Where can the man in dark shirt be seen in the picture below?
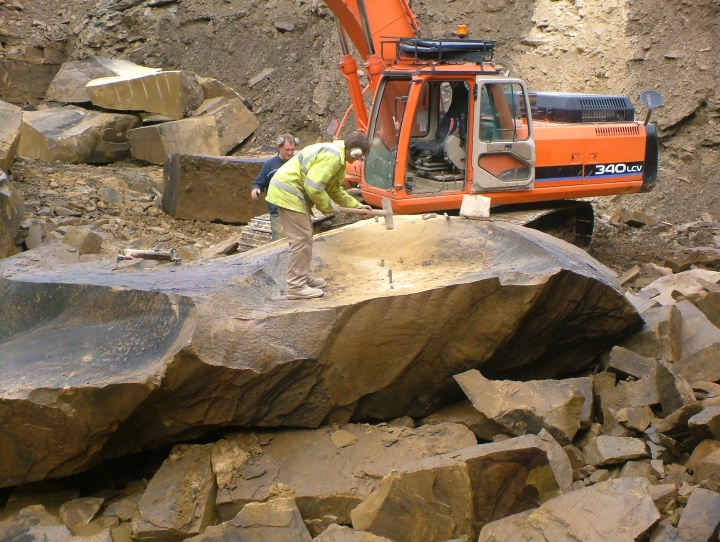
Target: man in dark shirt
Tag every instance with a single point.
(286, 149)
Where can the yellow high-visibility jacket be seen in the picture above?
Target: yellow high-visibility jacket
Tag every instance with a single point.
(313, 176)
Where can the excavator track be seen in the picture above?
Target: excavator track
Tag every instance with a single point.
(257, 232)
(572, 221)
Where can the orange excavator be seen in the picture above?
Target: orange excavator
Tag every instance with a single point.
(444, 123)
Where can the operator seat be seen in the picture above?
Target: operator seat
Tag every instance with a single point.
(454, 121)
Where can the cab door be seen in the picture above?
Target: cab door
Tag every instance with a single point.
(503, 154)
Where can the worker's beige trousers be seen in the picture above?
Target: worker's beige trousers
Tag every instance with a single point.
(299, 232)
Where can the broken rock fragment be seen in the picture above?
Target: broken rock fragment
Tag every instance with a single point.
(10, 124)
(453, 495)
(620, 510)
(179, 500)
(354, 458)
(278, 520)
(522, 408)
(76, 136)
(11, 215)
(700, 520)
(33, 523)
(607, 450)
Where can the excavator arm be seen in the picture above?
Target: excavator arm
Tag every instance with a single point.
(368, 22)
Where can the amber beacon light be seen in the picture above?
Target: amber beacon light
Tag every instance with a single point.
(462, 31)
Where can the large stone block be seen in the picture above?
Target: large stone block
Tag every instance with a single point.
(211, 188)
(75, 135)
(174, 94)
(177, 350)
(234, 122)
(157, 142)
(68, 86)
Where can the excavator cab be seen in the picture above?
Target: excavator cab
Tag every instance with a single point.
(445, 136)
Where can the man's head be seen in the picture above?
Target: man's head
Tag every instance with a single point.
(356, 147)
(286, 146)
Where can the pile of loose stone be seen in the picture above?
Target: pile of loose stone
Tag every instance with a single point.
(109, 209)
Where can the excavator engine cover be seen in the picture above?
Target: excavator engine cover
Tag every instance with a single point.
(580, 108)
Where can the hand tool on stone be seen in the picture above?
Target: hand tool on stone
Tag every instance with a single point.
(386, 212)
(132, 253)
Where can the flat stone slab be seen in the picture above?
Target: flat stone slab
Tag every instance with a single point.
(100, 359)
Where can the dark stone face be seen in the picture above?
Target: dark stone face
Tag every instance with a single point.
(66, 335)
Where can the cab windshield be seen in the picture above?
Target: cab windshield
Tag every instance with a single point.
(384, 133)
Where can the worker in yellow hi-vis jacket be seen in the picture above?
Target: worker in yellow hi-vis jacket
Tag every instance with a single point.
(313, 177)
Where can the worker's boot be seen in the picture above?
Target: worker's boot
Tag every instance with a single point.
(306, 292)
(314, 282)
(276, 229)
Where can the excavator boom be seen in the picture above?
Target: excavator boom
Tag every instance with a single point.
(369, 22)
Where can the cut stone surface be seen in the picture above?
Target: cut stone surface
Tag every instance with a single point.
(77, 136)
(174, 94)
(522, 408)
(10, 123)
(620, 510)
(163, 349)
(157, 142)
(211, 188)
(68, 86)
